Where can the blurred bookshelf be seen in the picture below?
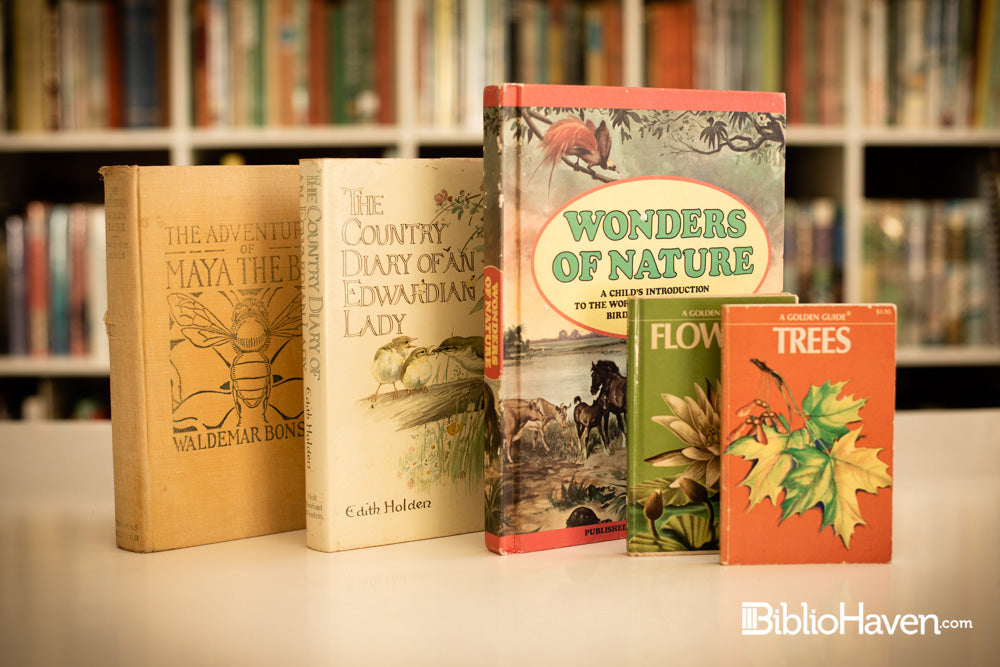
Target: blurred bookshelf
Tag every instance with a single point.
(890, 102)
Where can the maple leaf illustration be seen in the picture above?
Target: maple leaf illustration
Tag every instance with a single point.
(818, 465)
(828, 415)
(772, 462)
(854, 469)
(832, 480)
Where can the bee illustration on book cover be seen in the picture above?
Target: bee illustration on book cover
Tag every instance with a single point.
(598, 195)
(235, 357)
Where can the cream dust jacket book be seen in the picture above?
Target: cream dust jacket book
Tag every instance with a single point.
(807, 423)
(205, 329)
(392, 259)
(596, 195)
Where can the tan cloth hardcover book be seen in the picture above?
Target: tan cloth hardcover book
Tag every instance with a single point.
(205, 330)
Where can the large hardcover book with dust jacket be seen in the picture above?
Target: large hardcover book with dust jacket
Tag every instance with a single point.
(807, 426)
(596, 195)
(392, 275)
(205, 329)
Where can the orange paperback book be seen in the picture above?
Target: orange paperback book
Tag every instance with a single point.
(807, 419)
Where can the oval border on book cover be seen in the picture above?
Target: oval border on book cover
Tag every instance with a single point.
(586, 268)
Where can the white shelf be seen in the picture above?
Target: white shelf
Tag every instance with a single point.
(295, 137)
(95, 140)
(50, 367)
(816, 135)
(394, 135)
(929, 137)
(980, 355)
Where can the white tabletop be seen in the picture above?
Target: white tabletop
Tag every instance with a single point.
(69, 596)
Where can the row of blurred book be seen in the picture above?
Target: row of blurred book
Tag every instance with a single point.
(298, 62)
(937, 261)
(96, 64)
(90, 64)
(710, 44)
(53, 282)
(926, 63)
(814, 249)
(795, 46)
(932, 63)
(83, 64)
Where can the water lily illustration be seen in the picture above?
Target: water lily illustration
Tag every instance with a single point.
(695, 421)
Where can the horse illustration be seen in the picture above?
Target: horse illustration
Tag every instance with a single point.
(609, 384)
(587, 417)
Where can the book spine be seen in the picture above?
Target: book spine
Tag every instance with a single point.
(37, 278)
(5, 98)
(318, 61)
(492, 316)
(78, 280)
(495, 155)
(69, 64)
(220, 111)
(445, 76)
(314, 354)
(112, 45)
(634, 454)
(365, 101)
(17, 309)
(4, 292)
(26, 66)
(913, 273)
(258, 65)
(285, 27)
(877, 65)
(199, 62)
(300, 63)
(96, 71)
(385, 54)
(125, 333)
(339, 65)
(142, 36)
(790, 282)
(97, 282)
(239, 53)
(51, 75)
(59, 280)
(985, 47)
(794, 60)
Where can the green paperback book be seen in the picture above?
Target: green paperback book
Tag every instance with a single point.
(674, 365)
